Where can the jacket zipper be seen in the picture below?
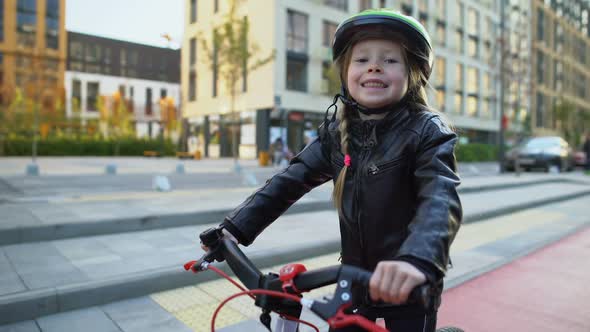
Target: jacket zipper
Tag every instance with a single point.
(374, 169)
(366, 150)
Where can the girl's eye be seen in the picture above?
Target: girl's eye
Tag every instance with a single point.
(390, 60)
(361, 60)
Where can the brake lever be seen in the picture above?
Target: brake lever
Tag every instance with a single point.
(342, 319)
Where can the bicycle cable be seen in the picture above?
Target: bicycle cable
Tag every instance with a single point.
(251, 293)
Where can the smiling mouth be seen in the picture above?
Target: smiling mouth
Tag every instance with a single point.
(373, 85)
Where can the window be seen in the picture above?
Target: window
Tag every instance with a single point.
(163, 93)
(364, 5)
(192, 86)
(26, 16)
(540, 110)
(329, 30)
(1, 20)
(26, 21)
(92, 93)
(407, 9)
(52, 24)
(148, 101)
(193, 11)
(338, 4)
(76, 95)
(296, 74)
(540, 24)
(122, 91)
(439, 72)
(381, 3)
(93, 53)
(472, 32)
(296, 32)
(441, 32)
(440, 98)
(423, 6)
(193, 52)
(459, 40)
(540, 68)
(458, 89)
(76, 50)
(472, 21)
(472, 91)
(216, 6)
(440, 7)
(472, 46)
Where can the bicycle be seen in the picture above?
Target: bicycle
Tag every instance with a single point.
(281, 293)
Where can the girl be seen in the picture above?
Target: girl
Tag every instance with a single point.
(392, 160)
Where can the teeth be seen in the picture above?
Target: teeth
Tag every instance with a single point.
(373, 85)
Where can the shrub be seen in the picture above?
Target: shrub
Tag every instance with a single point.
(87, 147)
(476, 152)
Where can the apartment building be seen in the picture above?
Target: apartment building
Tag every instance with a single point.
(140, 75)
(32, 50)
(288, 97)
(561, 74)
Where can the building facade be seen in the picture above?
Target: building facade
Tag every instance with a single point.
(288, 97)
(32, 50)
(561, 62)
(140, 75)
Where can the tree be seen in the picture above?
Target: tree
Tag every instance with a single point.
(232, 55)
(115, 118)
(168, 115)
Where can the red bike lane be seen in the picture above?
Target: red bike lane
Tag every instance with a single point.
(547, 290)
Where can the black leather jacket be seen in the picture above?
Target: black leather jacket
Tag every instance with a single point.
(400, 198)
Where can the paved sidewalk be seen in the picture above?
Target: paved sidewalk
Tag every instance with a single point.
(45, 277)
(478, 249)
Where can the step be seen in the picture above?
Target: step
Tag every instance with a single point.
(96, 215)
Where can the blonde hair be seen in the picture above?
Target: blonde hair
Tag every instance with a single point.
(416, 93)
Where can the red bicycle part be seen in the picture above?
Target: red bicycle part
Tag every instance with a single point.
(342, 319)
(288, 273)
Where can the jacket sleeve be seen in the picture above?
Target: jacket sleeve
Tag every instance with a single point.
(309, 169)
(438, 211)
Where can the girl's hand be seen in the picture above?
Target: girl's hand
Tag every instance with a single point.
(225, 234)
(393, 281)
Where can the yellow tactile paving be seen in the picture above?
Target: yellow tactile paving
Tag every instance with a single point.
(183, 298)
(476, 234)
(198, 317)
(196, 310)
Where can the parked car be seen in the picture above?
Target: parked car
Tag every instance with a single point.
(549, 152)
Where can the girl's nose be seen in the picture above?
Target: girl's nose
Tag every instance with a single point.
(374, 68)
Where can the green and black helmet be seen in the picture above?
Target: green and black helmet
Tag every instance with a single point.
(416, 35)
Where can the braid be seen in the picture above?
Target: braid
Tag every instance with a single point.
(344, 138)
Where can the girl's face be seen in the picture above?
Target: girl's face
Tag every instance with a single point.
(377, 74)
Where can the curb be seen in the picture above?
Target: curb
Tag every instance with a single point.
(51, 232)
(35, 303)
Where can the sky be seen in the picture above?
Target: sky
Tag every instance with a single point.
(139, 21)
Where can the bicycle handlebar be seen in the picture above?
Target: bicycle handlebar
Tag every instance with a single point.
(224, 249)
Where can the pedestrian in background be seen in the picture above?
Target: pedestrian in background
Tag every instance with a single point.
(587, 150)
